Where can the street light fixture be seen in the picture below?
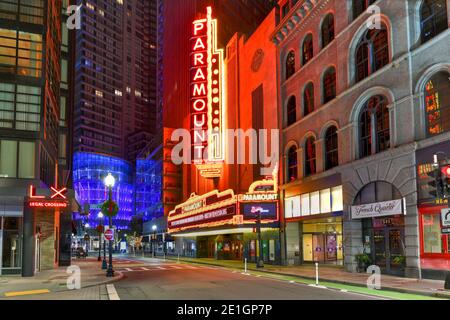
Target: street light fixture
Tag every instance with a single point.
(154, 228)
(110, 181)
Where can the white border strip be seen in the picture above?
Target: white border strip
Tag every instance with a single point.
(112, 293)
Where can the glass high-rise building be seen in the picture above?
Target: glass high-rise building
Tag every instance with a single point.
(116, 105)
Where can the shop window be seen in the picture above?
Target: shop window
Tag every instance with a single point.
(437, 104)
(372, 53)
(310, 157)
(327, 30)
(331, 148)
(12, 243)
(292, 164)
(329, 85)
(305, 205)
(308, 99)
(432, 242)
(374, 127)
(337, 199)
(290, 64)
(307, 49)
(291, 111)
(433, 18)
(325, 201)
(8, 159)
(360, 6)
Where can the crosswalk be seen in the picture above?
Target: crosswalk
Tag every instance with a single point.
(164, 268)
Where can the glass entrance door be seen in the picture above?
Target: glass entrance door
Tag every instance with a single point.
(389, 250)
(379, 239)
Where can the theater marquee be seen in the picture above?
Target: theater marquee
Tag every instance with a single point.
(206, 97)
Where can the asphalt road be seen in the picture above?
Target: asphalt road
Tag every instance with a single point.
(168, 280)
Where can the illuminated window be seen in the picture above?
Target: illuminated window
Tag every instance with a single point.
(137, 93)
(118, 93)
(315, 202)
(291, 111)
(20, 53)
(374, 127)
(305, 205)
(20, 107)
(290, 65)
(433, 18)
(101, 12)
(17, 159)
(99, 93)
(292, 164)
(307, 49)
(308, 99)
(337, 199)
(90, 6)
(331, 148)
(329, 85)
(437, 104)
(327, 30)
(325, 201)
(128, 90)
(310, 157)
(30, 11)
(372, 53)
(119, 1)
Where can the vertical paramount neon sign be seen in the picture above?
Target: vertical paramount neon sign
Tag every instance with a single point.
(207, 103)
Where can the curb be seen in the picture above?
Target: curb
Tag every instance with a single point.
(394, 289)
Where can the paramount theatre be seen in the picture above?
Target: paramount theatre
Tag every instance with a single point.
(224, 194)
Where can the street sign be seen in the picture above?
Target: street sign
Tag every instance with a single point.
(445, 217)
(95, 206)
(109, 234)
(445, 230)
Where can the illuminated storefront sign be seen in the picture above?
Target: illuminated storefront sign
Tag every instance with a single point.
(268, 211)
(260, 197)
(206, 103)
(57, 199)
(206, 217)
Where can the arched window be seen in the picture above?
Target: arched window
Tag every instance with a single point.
(310, 157)
(329, 85)
(291, 111)
(372, 53)
(433, 18)
(308, 99)
(374, 127)
(307, 49)
(292, 164)
(327, 30)
(359, 6)
(331, 148)
(437, 104)
(290, 64)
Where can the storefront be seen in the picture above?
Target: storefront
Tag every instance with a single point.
(434, 241)
(381, 210)
(223, 226)
(314, 227)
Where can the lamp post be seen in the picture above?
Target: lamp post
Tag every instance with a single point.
(109, 182)
(100, 217)
(154, 227)
(260, 263)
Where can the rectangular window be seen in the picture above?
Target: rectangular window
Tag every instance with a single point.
(20, 107)
(315, 202)
(26, 160)
(20, 53)
(8, 159)
(325, 201)
(305, 204)
(337, 200)
(292, 207)
(432, 242)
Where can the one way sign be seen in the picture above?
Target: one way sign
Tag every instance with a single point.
(445, 217)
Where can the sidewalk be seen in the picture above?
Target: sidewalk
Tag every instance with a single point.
(50, 282)
(337, 274)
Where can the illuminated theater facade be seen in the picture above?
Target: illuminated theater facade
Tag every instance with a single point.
(223, 198)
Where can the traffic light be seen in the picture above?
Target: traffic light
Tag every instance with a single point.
(446, 180)
(436, 184)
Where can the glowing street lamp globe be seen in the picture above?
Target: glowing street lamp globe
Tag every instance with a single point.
(87, 225)
(110, 181)
(100, 215)
(154, 227)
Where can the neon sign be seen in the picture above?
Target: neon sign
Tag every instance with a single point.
(58, 199)
(47, 204)
(206, 92)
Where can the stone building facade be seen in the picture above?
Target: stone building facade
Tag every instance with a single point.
(361, 125)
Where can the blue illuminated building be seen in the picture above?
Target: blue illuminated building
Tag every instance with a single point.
(148, 186)
(89, 170)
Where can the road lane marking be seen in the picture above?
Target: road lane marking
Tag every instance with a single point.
(176, 267)
(145, 269)
(112, 293)
(162, 268)
(129, 269)
(25, 293)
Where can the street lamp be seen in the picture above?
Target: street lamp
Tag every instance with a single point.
(100, 217)
(110, 181)
(260, 262)
(154, 227)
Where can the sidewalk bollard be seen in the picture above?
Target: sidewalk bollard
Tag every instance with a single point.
(178, 258)
(245, 263)
(317, 274)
